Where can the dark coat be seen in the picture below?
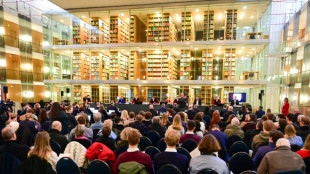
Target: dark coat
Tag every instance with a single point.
(35, 165)
(57, 137)
(18, 150)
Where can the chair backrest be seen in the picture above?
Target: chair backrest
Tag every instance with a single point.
(238, 146)
(121, 149)
(98, 166)
(162, 145)
(183, 151)
(154, 137)
(144, 143)
(207, 171)
(238, 159)
(189, 145)
(231, 140)
(95, 132)
(55, 147)
(66, 165)
(223, 154)
(168, 168)
(295, 147)
(307, 162)
(249, 172)
(151, 150)
(132, 168)
(9, 164)
(290, 172)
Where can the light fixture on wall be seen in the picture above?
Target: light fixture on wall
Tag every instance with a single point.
(28, 94)
(47, 94)
(2, 31)
(2, 62)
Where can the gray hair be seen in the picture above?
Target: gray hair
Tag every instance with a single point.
(151, 107)
(97, 117)
(7, 132)
(156, 120)
(235, 121)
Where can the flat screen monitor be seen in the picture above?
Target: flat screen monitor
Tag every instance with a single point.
(240, 96)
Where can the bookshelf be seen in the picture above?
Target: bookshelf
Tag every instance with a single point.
(159, 65)
(188, 30)
(206, 95)
(160, 28)
(105, 93)
(80, 66)
(77, 94)
(105, 66)
(119, 66)
(229, 64)
(125, 92)
(132, 68)
(99, 31)
(119, 30)
(96, 66)
(207, 64)
(95, 93)
(137, 30)
(225, 95)
(208, 31)
(113, 93)
(80, 32)
(153, 91)
(86, 90)
(173, 66)
(185, 65)
(231, 25)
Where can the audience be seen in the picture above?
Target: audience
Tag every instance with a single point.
(133, 154)
(57, 114)
(251, 124)
(207, 147)
(234, 129)
(117, 126)
(131, 119)
(282, 125)
(170, 155)
(290, 135)
(155, 126)
(216, 119)
(162, 109)
(106, 140)
(228, 113)
(199, 117)
(56, 135)
(98, 124)
(80, 136)
(191, 126)
(263, 137)
(290, 120)
(151, 109)
(304, 129)
(164, 120)
(281, 159)
(87, 131)
(191, 113)
(259, 113)
(177, 124)
(147, 119)
(305, 151)
(103, 113)
(138, 124)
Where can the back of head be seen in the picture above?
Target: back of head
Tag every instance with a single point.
(151, 107)
(81, 119)
(275, 135)
(305, 120)
(209, 144)
(290, 117)
(42, 146)
(133, 137)
(170, 111)
(172, 137)
(268, 125)
(290, 131)
(97, 117)
(7, 133)
(148, 115)
(106, 131)
(191, 125)
(249, 109)
(79, 131)
(132, 115)
(156, 120)
(117, 120)
(142, 113)
(283, 142)
(108, 123)
(230, 108)
(56, 125)
(235, 122)
(82, 109)
(270, 116)
(139, 118)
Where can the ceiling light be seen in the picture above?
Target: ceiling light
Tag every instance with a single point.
(242, 47)
(122, 14)
(198, 17)
(196, 48)
(223, 27)
(83, 16)
(252, 17)
(225, 11)
(240, 51)
(197, 10)
(2, 62)
(244, 7)
(242, 15)
(157, 12)
(61, 20)
(220, 16)
(253, 49)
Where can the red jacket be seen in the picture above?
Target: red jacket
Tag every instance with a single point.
(102, 152)
(134, 100)
(285, 108)
(155, 101)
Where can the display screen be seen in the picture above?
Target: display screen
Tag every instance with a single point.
(240, 96)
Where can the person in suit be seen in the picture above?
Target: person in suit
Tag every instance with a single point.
(216, 100)
(154, 100)
(234, 102)
(121, 100)
(176, 100)
(113, 107)
(197, 101)
(135, 100)
(182, 102)
(260, 112)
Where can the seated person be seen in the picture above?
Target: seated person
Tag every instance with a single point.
(87, 131)
(191, 126)
(135, 100)
(162, 109)
(80, 138)
(151, 109)
(112, 107)
(147, 119)
(138, 124)
(11, 146)
(133, 154)
(106, 140)
(121, 100)
(216, 100)
(157, 127)
(234, 102)
(56, 135)
(170, 155)
(154, 100)
(98, 124)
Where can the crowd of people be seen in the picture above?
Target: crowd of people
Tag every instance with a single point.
(276, 143)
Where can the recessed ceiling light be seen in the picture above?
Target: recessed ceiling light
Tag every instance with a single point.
(197, 10)
(83, 16)
(225, 11)
(157, 12)
(122, 14)
(253, 49)
(61, 20)
(244, 7)
(252, 17)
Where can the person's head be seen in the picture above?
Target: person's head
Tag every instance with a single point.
(29, 116)
(283, 142)
(69, 109)
(101, 108)
(290, 131)
(304, 121)
(170, 112)
(177, 122)
(132, 115)
(190, 107)
(113, 114)
(235, 122)
(296, 111)
(163, 105)
(124, 133)
(139, 118)
(191, 125)
(156, 120)
(164, 119)
(268, 110)
(290, 117)
(275, 135)
(106, 131)
(198, 117)
(57, 125)
(117, 120)
(230, 108)
(249, 109)
(197, 98)
(260, 108)
(81, 120)
(97, 117)
(133, 137)
(281, 116)
(172, 137)
(30, 111)
(151, 107)
(253, 117)
(42, 147)
(215, 118)
(136, 97)
(216, 97)
(122, 97)
(182, 95)
(230, 117)
(259, 125)
(285, 99)
(209, 144)
(148, 115)
(108, 123)
(307, 143)
(215, 127)
(224, 106)
(8, 133)
(142, 113)
(264, 118)
(270, 116)
(268, 126)
(112, 103)
(55, 110)
(182, 115)
(282, 124)
(79, 131)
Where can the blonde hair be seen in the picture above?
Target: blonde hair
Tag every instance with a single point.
(108, 123)
(172, 137)
(177, 123)
(124, 115)
(124, 133)
(290, 131)
(79, 131)
(307, 143)
(164, 119)
(41, 146)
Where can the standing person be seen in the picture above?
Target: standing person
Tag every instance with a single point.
(71, 118)
(182, 102)
(260, 112)
(176, 100)
(135, 100)
(286, 107)
(59, 115)
(42, 117)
